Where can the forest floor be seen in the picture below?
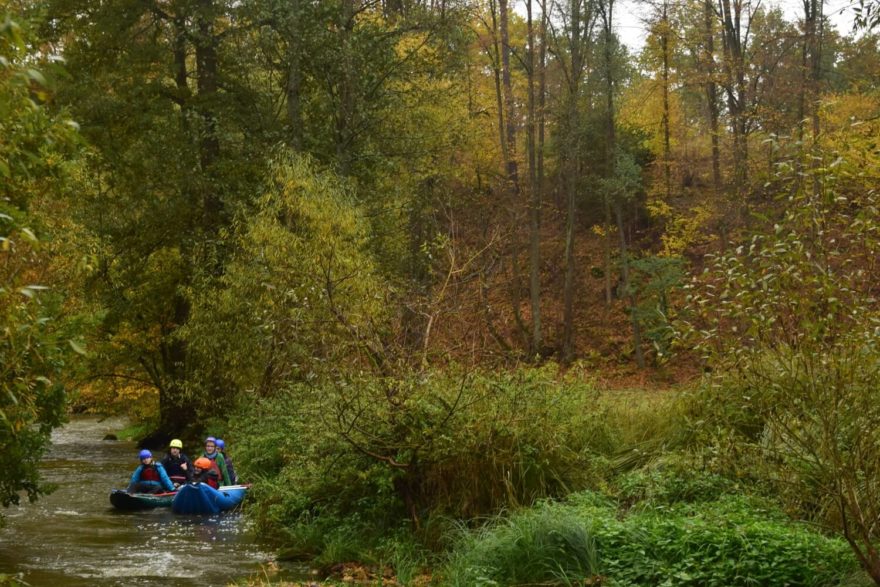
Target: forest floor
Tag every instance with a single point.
(485, 320)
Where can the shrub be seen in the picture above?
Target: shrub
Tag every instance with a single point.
(538, 546)
(386, 453)
(790, 323)
(727, 542)
(674, 479)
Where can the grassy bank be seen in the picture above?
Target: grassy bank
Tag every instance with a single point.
(525, 477)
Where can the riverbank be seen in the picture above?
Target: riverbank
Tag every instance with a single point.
(523, 477)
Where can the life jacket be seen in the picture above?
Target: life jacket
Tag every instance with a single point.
(210, 477)
(213, 480)
(214, 466)
(150, 473)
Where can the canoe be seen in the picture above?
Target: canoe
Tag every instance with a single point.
(123, 500)
(201, 498)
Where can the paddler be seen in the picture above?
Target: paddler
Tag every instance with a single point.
(150, 476)
(177, 464)
(206, 472)
(212, 454)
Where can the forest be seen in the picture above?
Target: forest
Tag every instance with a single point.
(479, 293)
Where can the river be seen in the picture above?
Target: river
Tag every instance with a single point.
(74, 537)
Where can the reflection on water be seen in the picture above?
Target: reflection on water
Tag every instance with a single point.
(74, 537)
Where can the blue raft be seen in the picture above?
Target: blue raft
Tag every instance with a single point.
(201, 498)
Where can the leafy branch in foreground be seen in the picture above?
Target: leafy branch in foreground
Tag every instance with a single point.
(790, 322)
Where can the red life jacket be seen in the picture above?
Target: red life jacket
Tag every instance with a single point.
(209, 477)
(150, 473)
(216, 468)
(212, 480)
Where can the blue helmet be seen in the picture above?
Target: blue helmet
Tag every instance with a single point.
(210, 439)
(220, 444)
(145, 454)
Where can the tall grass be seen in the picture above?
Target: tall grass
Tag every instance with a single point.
(539, 546)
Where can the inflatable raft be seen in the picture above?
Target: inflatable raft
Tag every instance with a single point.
(201, 498)
(123, 500)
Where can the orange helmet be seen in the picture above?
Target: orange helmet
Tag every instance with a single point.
(203, 463)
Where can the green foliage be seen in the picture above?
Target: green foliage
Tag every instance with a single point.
(385, 453)
(792, 324)
(867, 15)
(35, 343)
(672, 480)
(656, 280)
(730, 541)
(33, 355)
(626, 182)
(544, 545)
(300, 293)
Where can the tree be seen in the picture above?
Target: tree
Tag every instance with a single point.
(535, 189)
(300, 294)
(581, 19)
(867, 14)
(36, 342)
(176, 153)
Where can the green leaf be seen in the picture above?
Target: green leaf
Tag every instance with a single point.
(36, 76)
(77, 348)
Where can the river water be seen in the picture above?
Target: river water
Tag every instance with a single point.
(74, 537)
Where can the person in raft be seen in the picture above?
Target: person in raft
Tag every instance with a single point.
(150, 476)
(212, 453)
(205, 471)
(177, 465)
(221, 447)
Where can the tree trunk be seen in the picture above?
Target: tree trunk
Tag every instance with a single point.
(611, 138)
(712, 98)
(174, 413)
(667, 150)
(816, 71)
(511, 162)
(535, 192)
(572, 159)
(737, 98)
(542, 96)
(512, 170)
(294, 79)
(180, 70)
(630, 295)
(345, 106)
(499, 96)
(206, 82)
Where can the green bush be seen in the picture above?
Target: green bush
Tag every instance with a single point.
(386, 454)
(674, 479)
(727, 542)
(537, 546)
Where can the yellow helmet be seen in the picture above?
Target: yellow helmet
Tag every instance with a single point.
(176, 443)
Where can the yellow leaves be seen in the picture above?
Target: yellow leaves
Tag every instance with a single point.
(641, 107)
(686, 230)
(850, 127)
(416, 42)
